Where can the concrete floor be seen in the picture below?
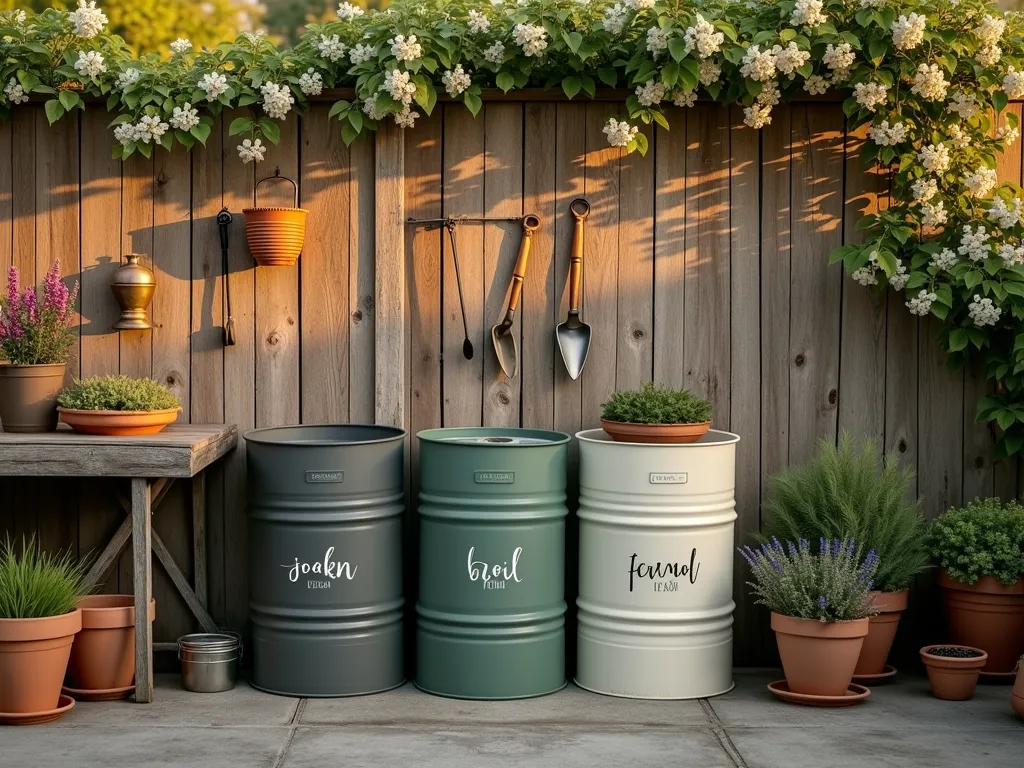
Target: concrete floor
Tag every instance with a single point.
(900, 725)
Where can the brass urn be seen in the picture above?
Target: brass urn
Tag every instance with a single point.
(133, 287)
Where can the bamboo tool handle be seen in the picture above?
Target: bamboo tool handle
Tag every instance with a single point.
(530, 225)
(580, 209)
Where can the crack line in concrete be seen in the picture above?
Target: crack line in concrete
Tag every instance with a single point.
(718, 729)
(293, 725)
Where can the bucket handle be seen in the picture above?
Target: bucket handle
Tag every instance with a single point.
(277, 175)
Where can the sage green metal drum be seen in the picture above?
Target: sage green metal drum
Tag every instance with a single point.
(656, 562)
(491, 610)
(325, 558)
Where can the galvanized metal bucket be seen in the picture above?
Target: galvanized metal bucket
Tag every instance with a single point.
(325, 558)
(209, 661)
(491, 610)
(656, 564)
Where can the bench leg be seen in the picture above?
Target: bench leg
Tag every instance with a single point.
(142, 533)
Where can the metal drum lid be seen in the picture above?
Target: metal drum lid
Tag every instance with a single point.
(497, 440)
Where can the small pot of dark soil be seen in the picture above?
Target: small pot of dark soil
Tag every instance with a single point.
(953, 670)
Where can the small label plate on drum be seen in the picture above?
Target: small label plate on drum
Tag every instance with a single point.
(334, 476)
(668, 478)
(482, 477)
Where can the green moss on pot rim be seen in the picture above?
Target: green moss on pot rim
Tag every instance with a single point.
(116, 393)
(655, 404)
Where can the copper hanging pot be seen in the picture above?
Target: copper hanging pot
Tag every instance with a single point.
(275, 235)
(133, 286)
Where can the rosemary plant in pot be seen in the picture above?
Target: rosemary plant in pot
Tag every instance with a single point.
(656, 414)
(36, 337)
(980, 550)
(38, 621)
(117, 405)
(847, 490)
(820, 607)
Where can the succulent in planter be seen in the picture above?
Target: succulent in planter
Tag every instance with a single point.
(656, 414)
(117, 405)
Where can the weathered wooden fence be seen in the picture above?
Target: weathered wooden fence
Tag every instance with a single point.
(705, 266)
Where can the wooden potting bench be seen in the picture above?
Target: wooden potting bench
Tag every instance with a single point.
(151, 463)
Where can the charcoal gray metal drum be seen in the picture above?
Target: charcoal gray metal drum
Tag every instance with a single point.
(491, 609)
(325, 558)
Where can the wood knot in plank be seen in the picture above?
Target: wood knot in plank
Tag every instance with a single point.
(503, 398)
(800, 359)
(832, 397)
(368, 302)
(638, 333)
(291, 321)
(902, 446)
(357, 316)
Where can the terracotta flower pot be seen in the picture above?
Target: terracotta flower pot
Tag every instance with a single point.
(28, 396)
(33, 658)
(819, 657)
(1017, 694)
(276, 235)
(103, 654)
(628, 432)
(987, 615)
(951, 678)
(881, 631)
(118, 422)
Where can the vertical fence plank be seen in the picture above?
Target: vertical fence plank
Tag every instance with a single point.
(670, 251)
(503, 196)
(389, 296)
(362, 246)
(8, 486)
(326, 183)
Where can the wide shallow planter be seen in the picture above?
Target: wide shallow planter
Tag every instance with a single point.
(953, 678)
(118, 423)
(656, 552)
(881, 632)
(103, 654)
(818, 657)
(987, 615)
(28, 396)
(276, 234)
(33, 659)
(1017, 694)
(629, 432)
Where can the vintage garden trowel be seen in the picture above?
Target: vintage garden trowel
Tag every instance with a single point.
(501, 334)
(574, 335)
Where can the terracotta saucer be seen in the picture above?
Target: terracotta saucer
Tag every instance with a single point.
(854, 694)
(34, 718)
(101, 694)
(998, 678)
(881, 677)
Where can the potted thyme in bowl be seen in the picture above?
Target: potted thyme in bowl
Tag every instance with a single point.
(821, 608)
(117, 405)
(656, 414)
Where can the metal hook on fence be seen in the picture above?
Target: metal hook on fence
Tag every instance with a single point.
(224, 219)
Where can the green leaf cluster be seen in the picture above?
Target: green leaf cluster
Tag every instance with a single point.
(116, 393)
(655, 404)
(983, 538)
(36, 584)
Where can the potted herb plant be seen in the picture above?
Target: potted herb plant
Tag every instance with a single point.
(117, 405)
(953, 670)
(847, 490)
(36, 337)
(820, 610)
(656, 414)
(980, 550)
(38, 621)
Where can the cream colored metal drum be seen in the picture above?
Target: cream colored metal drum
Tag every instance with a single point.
(656, 562)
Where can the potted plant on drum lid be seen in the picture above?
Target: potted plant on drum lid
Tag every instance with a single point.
(656, 414)
(36, 337)
(821, 608)
(847, 490)
(38, 621)
(980, 549)
(117, 405)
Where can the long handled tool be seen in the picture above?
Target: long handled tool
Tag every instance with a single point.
(223, 222)
(467, 345)
(501, 335)
(574, 335)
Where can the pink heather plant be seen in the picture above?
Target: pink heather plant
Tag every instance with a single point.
(37, 334)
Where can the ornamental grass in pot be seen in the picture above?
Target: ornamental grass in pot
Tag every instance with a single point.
(117, 405)
(38, 621)
(848, 491)
(656, 414)
(980, 551)
(820, 609)
(36, 338)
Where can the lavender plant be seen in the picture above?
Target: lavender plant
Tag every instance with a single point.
(829, 585)
(34, 332)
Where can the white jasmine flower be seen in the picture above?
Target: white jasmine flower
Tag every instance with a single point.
(839, 57)
(125, 133)
(983, 312)
(870, 95)
(757, 115)
(650, 93)
(90, 63)
(868, 274)
(360, 53)
(808, 13)
(945, 259)
(331, 48)
(1007, 135)
(990, 30)
(709, 73)
(615, 18)
(277, 100)
(251, 151)
(885, 135)
(933, 214)
(406, 49)
(371, 109)
(872, 3)
(1005, 216)
(974, 243)
(964, 105)
(619, 132)
(657, 41)
(899, 278)
(495, 54)
(930, 83)
(684, 98)
(254, 38)
(214, 83)
(924, 190)
(185, 117)
(958, 136)
(757, 64)
(347, 11)
(400, 86)
(703, 37)
(533, 38)
(127, 78)
(922, 304)
(150, 128)
(478, 22)
(790, 58)
(89, 20)
(1013, 84)
(908, 31)
(640, 5)
(456, 80)
(989, 55)
(981, 182)
(181, 45)
(934, 158)
(406, 118)
(769, 95)
(14, 92)
(311, 82)
(816, 85)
